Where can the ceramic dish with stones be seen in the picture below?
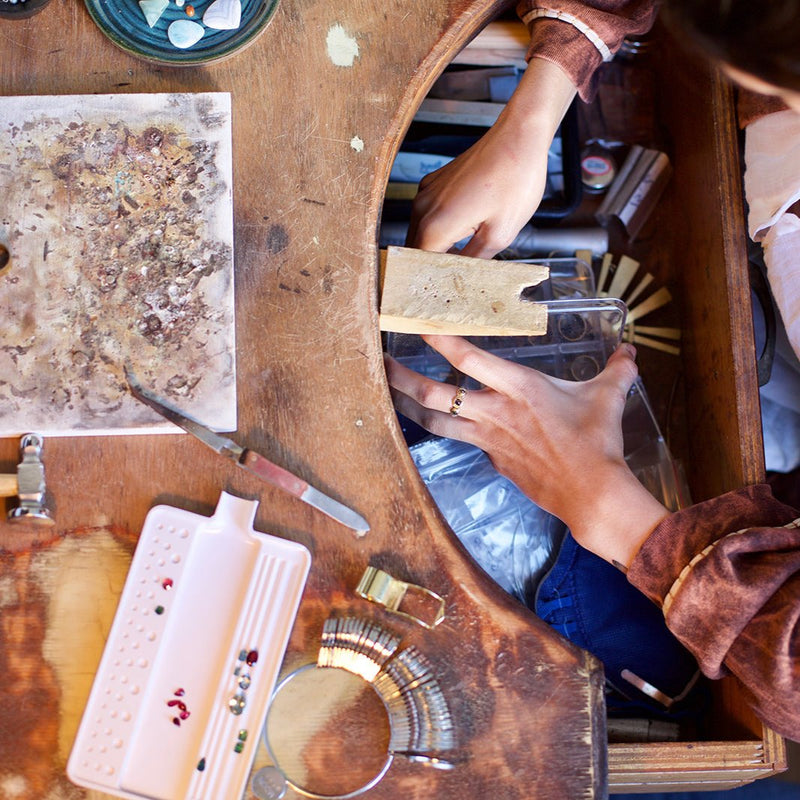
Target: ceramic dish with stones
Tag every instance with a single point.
(127, 26)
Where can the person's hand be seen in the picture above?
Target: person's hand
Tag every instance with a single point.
(559, 441)
(490, 191)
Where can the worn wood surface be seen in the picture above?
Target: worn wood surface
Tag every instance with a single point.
(452, 294)
(708, 254)
(312, 146)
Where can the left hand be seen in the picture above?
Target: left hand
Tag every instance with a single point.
(559, 441)
(489, 192)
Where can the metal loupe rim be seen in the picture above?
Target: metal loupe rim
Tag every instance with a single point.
(307, 792)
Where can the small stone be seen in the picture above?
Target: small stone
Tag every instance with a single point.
(189, 11)
(252, 657)
(201, 765)
(153, 9)
(223, 15)
(236, 704)
(159, 609)
(184, 33)
(238, 747)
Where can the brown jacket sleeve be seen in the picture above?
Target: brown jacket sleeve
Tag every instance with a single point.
(751, 106)
(726, 574)
(579, 36)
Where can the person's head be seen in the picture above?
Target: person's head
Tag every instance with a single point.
(757, 42)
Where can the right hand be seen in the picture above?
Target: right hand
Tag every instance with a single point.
(559, 441)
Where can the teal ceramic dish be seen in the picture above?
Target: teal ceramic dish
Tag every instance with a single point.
(20, 9)
(124, 23)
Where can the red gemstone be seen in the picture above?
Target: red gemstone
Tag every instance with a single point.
(252, 657)
(176, 721)
(179, 693)
(167, 583)
(184, 714)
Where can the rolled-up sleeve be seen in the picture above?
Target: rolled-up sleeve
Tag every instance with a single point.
(726, 574)
(579, 36)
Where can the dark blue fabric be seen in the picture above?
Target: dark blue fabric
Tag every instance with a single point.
(591, 603)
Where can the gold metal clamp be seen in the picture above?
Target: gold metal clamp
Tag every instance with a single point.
(379, 587)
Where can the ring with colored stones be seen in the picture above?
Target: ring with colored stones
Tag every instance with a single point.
(455, 406)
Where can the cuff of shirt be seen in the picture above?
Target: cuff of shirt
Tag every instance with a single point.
(683, 535)
(568, 48)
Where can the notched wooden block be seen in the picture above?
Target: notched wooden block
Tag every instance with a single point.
(445, 293)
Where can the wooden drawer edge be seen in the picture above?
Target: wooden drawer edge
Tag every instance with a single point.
(698, 783)
(681, 766)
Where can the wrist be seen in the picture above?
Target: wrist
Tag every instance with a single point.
(615, 517)
(539, 103)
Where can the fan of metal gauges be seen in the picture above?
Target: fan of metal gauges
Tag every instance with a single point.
(366, 699)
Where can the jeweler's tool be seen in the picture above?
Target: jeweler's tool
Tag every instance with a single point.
(380, 587)
(251, 461)
(28, 484)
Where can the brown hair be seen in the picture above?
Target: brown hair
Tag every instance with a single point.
(760, 37)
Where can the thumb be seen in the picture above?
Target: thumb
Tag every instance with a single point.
(620, 371)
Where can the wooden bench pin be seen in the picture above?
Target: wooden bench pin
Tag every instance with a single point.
(446, 293)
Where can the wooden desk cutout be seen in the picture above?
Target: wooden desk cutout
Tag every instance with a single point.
(312, 143)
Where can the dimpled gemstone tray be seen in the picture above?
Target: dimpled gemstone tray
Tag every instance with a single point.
(192, 657)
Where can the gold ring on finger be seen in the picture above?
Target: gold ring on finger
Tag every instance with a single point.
(458, 399)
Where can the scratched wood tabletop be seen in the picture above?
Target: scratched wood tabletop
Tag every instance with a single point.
(313, 139)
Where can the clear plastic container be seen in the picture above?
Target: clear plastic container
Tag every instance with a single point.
(581, 335)
(648, 455)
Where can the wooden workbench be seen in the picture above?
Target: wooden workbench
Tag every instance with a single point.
(528, 709)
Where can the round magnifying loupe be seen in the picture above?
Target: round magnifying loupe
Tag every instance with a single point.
(328, 733)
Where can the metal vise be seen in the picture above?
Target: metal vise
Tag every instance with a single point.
(28, 484)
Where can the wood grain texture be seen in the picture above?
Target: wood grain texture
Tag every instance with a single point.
(312, 145)
(708, 252)
(451, 294)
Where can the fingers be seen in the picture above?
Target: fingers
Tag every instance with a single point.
(429, 403)
(438, 228)
(620, 371)
(505, 377)
(428, 394)
(436, 222)
(486, 242)
(435, 229)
